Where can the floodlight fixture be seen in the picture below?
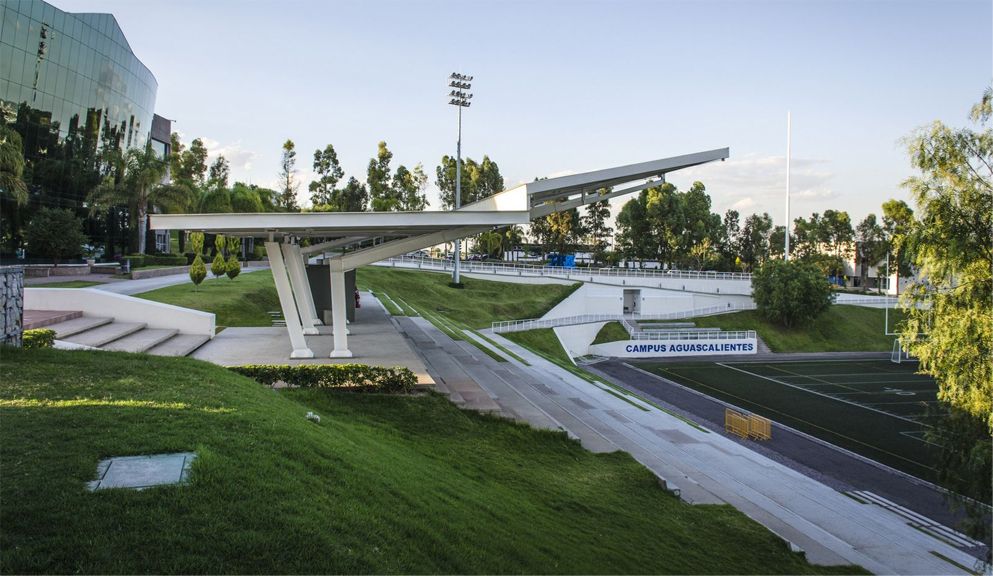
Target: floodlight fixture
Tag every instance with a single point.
(459, 97)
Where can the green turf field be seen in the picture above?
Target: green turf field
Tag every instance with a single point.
(872, 407)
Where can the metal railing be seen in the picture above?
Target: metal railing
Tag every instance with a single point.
(625, 319)
(513, 269)
(715, 334)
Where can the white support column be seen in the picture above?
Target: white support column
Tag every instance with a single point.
(338, 310)
(301, 287)
(278, 267)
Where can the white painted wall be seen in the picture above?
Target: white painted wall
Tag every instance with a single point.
(119, 307)
(607, 299)
(675, 348)
(577, 339)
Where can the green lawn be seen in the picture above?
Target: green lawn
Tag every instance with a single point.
(843, 328)
(478, 305)
(384, 484)
(67, 284)
(611, 332)
(244, 301)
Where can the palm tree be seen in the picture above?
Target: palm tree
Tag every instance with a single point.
(137, 182)
(12, 167)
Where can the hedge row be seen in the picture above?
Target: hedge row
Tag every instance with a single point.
(140, 260)
(38, 338)
(353, 377)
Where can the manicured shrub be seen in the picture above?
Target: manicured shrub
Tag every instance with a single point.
(233, 267)
(198, 271)
(218, 267)
(38, 338)
(351, 377)
(137, 260)
(165, 260)
(196, 242)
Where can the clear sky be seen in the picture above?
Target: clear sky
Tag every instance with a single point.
(570, 86)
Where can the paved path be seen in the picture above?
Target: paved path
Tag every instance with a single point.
(704, 466)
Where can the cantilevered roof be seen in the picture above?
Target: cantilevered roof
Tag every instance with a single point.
(408, 231)
(551, 189)
(328, 224)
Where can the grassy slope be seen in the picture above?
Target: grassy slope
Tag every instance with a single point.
(611, 332)
(479, 304)
(841, 329)
(244, 301)
(382, 484)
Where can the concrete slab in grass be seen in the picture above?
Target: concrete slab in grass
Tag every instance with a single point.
(139, 472)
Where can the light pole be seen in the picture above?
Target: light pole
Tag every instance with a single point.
(460, 96)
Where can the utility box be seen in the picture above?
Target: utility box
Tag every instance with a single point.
(319, 277)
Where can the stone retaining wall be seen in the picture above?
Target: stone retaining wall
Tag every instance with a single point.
(139, 273)
(11, 304)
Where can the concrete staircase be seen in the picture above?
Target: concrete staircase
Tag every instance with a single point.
(105, 333)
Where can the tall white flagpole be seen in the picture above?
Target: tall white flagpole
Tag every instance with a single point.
(786, 252)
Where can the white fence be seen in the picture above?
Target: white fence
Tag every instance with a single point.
(714, 334)
(625, 319)
(512, 269)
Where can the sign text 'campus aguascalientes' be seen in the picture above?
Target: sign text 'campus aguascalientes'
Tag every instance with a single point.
(643, 349)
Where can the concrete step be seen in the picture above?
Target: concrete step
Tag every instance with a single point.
(104, 334)
(179, 345)
(141, 341)
(34, 319)
(69, 328)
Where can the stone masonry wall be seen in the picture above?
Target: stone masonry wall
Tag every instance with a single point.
(11, 304)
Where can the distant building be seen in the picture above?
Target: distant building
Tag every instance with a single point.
(72, 77)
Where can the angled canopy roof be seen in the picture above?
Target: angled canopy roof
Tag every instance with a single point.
(409, 231)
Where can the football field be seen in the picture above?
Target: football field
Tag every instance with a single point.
(875, 408)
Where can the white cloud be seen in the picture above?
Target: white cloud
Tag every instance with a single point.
(241, 160)
(758, 183)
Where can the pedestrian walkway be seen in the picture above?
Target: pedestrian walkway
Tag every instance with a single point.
(701, 466)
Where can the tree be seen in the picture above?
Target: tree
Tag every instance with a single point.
(198, 271)
(329, 173)
(218, 267)
(729, 239)
(408, 186)
(287, 200)
(951, 245)
(870, 246)
(352, 198)
(898, 218)
(246, 199)
(790, 292)
(595, 224)
(634, 236)
(12, 186)
(136, 182)
(838, 234)
(755, 240)
(55, 233)
(478, 180)
(383, 197)
(220, 170)
(233, 267)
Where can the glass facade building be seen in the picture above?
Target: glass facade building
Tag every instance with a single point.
(65, 75)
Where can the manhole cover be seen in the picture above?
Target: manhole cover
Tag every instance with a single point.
(138, 472)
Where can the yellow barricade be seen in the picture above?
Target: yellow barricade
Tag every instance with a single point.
(736, 423)
(759, 428)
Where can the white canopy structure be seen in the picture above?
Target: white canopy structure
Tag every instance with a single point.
(374, 236)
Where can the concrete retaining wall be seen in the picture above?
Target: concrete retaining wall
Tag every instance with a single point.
(11, 304)
(93, 302)
(139, 273)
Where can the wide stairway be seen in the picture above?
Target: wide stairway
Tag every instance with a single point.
(104, 333)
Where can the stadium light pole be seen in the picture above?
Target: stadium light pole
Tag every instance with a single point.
(459, 97)
(789, 133)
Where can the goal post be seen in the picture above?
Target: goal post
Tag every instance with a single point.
(898, 355)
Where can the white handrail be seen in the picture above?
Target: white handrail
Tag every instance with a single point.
(511, 268)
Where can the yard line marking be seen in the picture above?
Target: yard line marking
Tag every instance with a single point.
(812, 378)
(808, 390)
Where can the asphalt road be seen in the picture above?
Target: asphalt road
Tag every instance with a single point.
(835, 467)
